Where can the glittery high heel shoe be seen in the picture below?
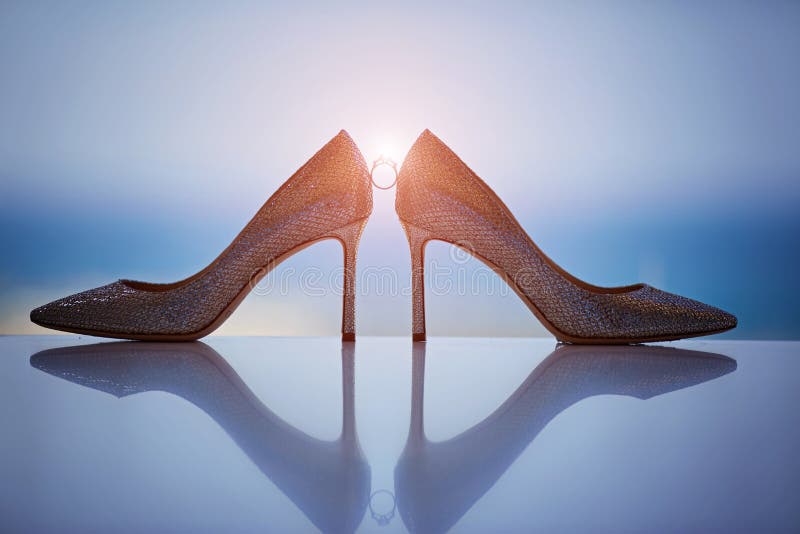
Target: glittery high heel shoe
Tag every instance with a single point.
(330, 197)
(439, 197)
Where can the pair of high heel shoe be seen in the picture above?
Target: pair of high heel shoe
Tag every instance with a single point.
(438, 198)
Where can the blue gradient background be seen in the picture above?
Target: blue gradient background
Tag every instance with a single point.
(655, 142)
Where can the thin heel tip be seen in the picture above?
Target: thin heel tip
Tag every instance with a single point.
(419, 337)
(349, 337)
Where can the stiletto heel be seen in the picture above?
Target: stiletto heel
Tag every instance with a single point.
(349, 236)
(417, 238)
(439, 197)
(328, 197)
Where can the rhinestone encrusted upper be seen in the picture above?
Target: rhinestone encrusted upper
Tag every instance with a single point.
(329, 192)
(438, 194)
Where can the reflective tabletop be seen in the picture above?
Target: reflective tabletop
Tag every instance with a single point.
(239, 434)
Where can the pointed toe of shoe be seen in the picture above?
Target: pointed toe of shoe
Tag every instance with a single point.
(91, 310)
(722, 320)
(38, 315)
(697, 318)
(50, 316)
(53, 315)
(684, 317)
(124, 309)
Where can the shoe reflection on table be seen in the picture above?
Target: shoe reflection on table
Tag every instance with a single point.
(329, 481)
(436, 483)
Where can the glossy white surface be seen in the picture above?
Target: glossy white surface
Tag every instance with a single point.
(251, 435)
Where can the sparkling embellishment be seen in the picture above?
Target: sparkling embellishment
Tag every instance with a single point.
(439, 197)
(329, 196)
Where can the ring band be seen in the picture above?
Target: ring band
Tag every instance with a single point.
(384, 518)
(377, 163)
